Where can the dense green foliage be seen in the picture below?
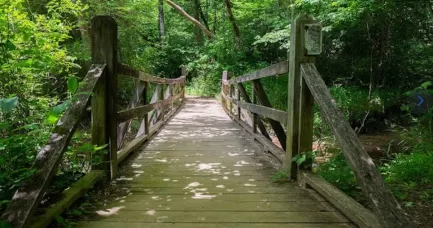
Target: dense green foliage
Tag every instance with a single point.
(374, 51)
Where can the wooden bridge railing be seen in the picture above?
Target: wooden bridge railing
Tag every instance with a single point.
(109, 126)
(306, 86)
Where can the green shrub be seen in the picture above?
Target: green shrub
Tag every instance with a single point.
(204, 86)
(338, 173)
(355, 103)
(416, 167)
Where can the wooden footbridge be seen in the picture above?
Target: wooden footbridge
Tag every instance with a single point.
(206, 163)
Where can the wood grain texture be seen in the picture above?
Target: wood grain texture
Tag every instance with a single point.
(247, 99)
(347, 205)
(140, 89)
(134, 112)
(268, 145)
(128, 71)
(367, 175)
(104, 102)
(296, 56)
(200, 171)
(277, 125)
(273, 70)
(270, 113)
(27, 198)
(70, 196)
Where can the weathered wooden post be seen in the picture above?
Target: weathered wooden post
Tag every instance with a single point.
(146, 116)
(182, 84)
(161, 98)
(238, 98)
(231, 91)
(300, 101)
(224, 88)
(172, 94)
(255, 116)
(104, 124)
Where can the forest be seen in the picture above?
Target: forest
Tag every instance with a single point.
(376, 60)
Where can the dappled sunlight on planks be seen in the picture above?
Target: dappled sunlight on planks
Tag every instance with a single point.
(201, 169)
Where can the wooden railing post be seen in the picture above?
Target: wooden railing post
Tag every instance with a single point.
(300, 102)
(182, 84)
(231, 91)
(224, 89)
(104, 124)
(161, 98)
(238, 97)
(146, 116)
(171, 88)
(255, 116)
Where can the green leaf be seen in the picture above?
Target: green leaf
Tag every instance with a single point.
(425, 85)
(85, 147)
(72, 84)
(59, 109)
(60, 219)
(8, 104)
(52, 118)
(100, 147)
(4, 125)
(302, 159)
(10, 46)
(4, 224)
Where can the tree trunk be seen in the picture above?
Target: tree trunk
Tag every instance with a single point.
(203, 17)
(236, 30)
(208, 33)
(196, 14)
(161, 23)
(215, 19)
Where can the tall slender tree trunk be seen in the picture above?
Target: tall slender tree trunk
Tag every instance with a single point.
(161, 23)
(236, 30)
(215, 18)
(203, 17)
(196, 15)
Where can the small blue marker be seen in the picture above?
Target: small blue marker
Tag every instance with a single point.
(421, 100)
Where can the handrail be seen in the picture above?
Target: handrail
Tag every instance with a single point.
(366, 172)
(306, 86)
(100, 87)
(270, 113)
(28, 197)
(128, 71)
(273, 70)
(125, 115)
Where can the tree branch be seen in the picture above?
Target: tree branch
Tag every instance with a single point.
(208, 33)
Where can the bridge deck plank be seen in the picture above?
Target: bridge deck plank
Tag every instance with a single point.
(206, 175)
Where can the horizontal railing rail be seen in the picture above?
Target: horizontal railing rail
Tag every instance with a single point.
(125, 115)
(267, 112)
(127, 71)
(274, 70)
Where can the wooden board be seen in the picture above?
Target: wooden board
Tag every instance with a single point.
(70, 195)
(273, 70)
(212, 225)
(347, 205)
(198, 180)
(127, 71)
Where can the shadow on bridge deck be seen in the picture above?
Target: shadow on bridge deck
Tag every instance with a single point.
(200, 171)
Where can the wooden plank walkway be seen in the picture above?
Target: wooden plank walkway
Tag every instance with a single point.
(200, 171)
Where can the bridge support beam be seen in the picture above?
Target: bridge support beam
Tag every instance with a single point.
(104, 123)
